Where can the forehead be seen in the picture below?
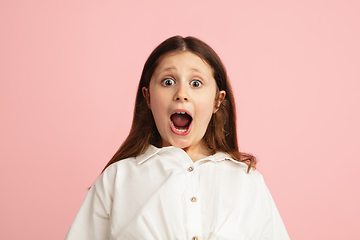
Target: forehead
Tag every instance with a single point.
(183, 61)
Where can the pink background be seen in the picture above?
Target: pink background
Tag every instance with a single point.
(69, 71)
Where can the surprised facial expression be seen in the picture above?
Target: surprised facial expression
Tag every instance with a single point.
(182, 96)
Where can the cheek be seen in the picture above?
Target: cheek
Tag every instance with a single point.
(205, 109)
(158, 108)
(157, 102)
(206, 102)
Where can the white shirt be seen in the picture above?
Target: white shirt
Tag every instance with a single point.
(163, 194)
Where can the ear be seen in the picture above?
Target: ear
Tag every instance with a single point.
(218, 101)
(146, 94)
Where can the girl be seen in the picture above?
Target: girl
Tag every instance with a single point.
(179, 173)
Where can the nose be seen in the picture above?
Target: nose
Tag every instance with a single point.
(181, 93)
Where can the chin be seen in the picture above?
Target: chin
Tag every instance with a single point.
(182, 143)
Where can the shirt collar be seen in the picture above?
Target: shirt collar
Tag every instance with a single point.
(148, 153)
(151, 151)
(220, 156)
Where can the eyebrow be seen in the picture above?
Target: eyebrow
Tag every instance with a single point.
(174, 68)
(169, 68)
(196, 70)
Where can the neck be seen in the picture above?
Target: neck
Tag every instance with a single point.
(197, 152)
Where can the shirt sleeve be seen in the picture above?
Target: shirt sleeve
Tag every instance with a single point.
(273, 226)
(92, 222)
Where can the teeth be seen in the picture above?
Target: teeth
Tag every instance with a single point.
(180, 112)
(180, 130)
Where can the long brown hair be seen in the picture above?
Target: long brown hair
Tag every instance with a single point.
(221, 133)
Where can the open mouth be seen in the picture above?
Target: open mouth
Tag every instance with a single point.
(180, 122)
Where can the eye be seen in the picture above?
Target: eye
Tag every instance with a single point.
(195, 83)
(168, 82)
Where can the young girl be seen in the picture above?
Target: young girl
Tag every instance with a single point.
(179, 173)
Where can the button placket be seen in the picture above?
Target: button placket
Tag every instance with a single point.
(193, 219)
(190, 169)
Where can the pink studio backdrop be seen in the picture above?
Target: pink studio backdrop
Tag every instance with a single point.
(68, 75)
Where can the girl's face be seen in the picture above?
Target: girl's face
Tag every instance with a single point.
(182, 96)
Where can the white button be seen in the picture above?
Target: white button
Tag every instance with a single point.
(193, 199)
(190, 169)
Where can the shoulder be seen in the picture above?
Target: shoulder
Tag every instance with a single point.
(129, 167)
(239, 166)
(226, 169)
(118, 168)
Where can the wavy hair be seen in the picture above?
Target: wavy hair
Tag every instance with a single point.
(221, 134)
